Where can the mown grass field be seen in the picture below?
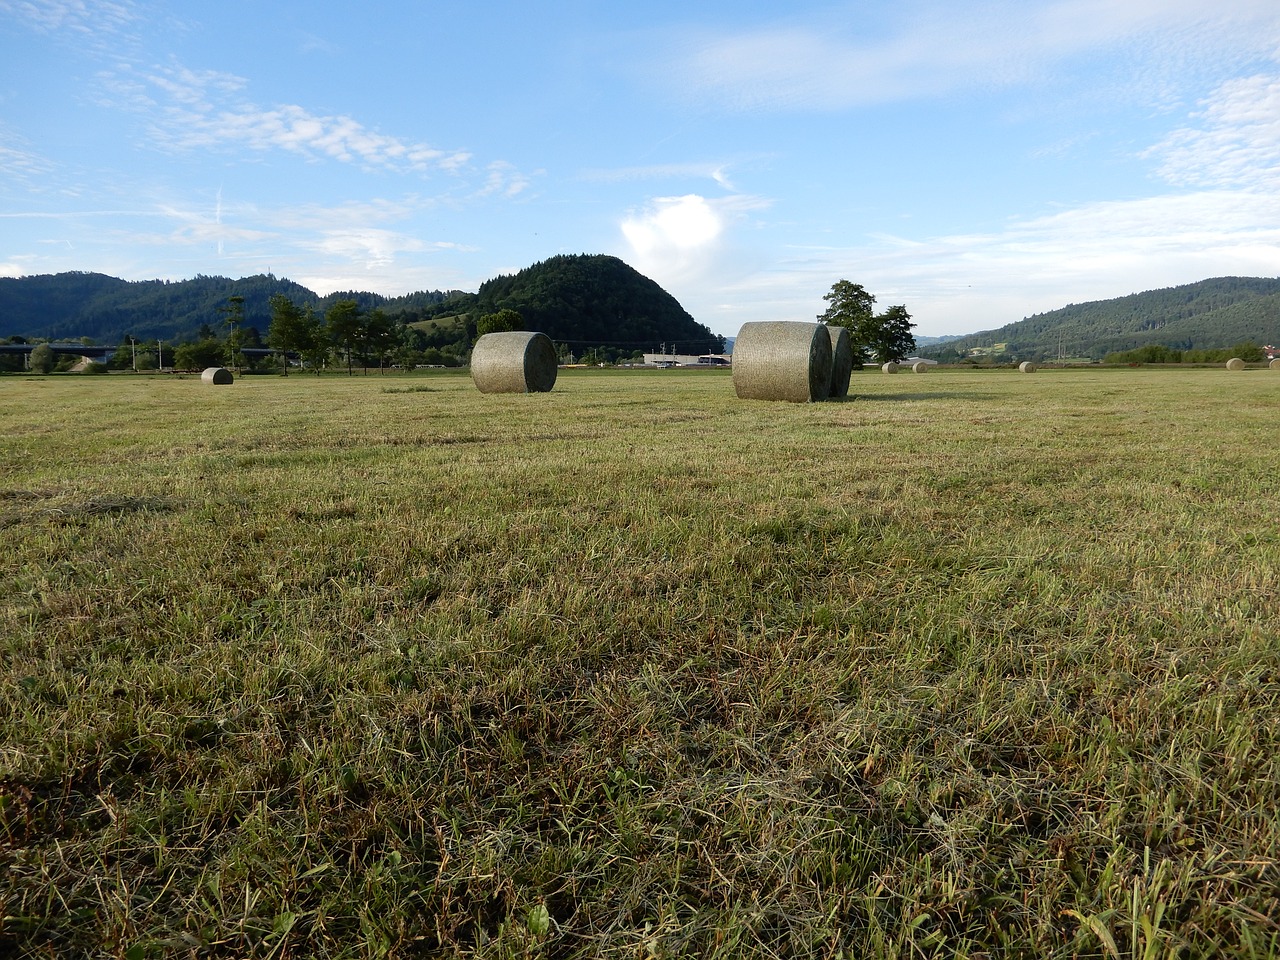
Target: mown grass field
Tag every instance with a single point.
(976, 664)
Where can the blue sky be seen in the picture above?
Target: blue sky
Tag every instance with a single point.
(976, 161)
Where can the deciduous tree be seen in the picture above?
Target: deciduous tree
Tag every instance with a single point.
(41, 360)
(879, 338)
(502, 321)
(345, 327)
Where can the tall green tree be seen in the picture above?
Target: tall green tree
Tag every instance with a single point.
(872, 337)
(890, 336)
(851, 306)
(381, 335)
(345, 327)
(41, 359)
(292, 330)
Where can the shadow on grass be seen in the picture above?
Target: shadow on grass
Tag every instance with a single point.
(879, 397)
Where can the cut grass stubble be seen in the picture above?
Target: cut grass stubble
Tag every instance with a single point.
(985, 667)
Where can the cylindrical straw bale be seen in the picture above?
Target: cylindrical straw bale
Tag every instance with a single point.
(890, 367)
(782, 360)
(1235, 363)
(1026, 366)
(1274, 364)
(514, 362)
(920, 367)
(219, 375)
(841, 360)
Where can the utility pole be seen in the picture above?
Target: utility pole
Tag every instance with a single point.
(133, 345)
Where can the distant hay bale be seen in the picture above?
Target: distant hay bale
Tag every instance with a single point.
(219, 375)
(782, 360)
(1026, 366)
(1274, 364)
(920, 367)
(514, 362)
(890, 367)
(1235, 363)
(841, 360)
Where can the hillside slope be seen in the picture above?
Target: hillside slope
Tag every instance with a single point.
(593, 299)
(1219, 312)
(584, 299)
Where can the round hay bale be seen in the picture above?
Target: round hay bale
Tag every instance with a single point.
(219, 375)
(1235, 363)
(841, 360)
(1026, 366)
(1274, 364)
(920, 367)
(514, 362)
(782, 360)
(890, 367)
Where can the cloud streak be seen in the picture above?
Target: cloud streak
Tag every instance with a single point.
(1237, 144)
(192, 110)
(938, 48)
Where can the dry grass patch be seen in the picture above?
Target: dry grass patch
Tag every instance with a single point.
(963, 669)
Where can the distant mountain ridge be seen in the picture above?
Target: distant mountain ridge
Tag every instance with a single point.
(1219, 312)
(579, 299)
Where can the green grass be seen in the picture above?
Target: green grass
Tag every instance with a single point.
(975, 664)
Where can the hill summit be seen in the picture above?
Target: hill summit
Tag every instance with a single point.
(594, 299)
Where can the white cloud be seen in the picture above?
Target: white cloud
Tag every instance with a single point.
(936, 48)
(686, 242)
(75, 17)
(504, 180)
(673, 226)
(967, 282)
(22, 165)
(189, 110)
(1238, 143)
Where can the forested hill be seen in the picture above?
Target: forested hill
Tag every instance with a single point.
(108, 310)
(592, 299)
(1213, 313)
(584, 299)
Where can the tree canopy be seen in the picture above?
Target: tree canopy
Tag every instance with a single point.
(873, 338)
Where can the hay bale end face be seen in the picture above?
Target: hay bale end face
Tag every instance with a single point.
(890, 367)
(514, 362)
(218, 375)
(1026, 366)
(920, 367)
(841, 360)
(1274, 364)
(1235, 363)
(782, 360)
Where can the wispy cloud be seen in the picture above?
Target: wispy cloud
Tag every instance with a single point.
(504, 180)
(75, 17)
(22, 165)
(1236, 144)
(191, 110)
(717, 172)
(839, 62)
(966, 282)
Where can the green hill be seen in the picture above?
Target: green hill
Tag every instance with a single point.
(579, 300)
(592, 300)
(108, 310)
(1209, 314)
